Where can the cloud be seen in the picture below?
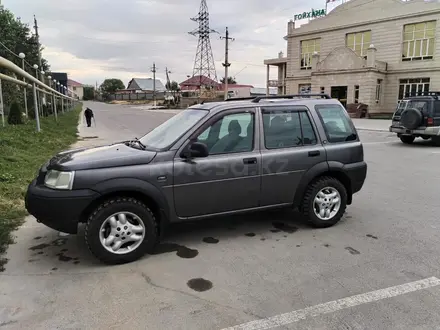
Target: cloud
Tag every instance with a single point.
(97, 39)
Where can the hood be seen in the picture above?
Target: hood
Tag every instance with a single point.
(100, 157)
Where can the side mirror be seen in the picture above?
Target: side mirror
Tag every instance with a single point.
(195, 150)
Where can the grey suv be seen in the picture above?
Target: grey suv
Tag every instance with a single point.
(211, 159)
(418, 116)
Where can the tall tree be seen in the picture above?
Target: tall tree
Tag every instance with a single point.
(109, 86)
(231, 81)
(89, 93)
(16, 37)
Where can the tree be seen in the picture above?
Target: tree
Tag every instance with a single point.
(16, 36)
(110, 86)
(89, 93)
(231, 81)
(174, 87)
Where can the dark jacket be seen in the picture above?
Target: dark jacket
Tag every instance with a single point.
(88, 113)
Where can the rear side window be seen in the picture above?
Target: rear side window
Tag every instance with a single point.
(287, 128)
(337, 124)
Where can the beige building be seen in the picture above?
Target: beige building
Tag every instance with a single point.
(364, 51)
(76, 87)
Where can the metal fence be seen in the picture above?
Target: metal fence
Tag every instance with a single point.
(136, 96)
(39, 89)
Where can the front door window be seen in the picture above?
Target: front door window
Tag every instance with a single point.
(230, 134)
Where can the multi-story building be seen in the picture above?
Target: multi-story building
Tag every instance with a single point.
(364, 51)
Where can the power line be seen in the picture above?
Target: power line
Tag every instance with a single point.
(10, 51)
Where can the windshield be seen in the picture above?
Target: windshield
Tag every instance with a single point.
(167, 133)
(415, 104)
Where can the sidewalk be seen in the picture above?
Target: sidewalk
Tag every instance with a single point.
(94, 135)
(379, 125)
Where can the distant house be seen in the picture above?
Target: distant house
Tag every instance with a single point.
(145, 85)
(76, 87)
(194, 83)
(60, 77)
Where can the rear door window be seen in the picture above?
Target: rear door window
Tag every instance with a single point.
(287, 127)
(337, 124)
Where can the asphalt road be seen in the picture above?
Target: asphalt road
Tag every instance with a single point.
(377, 269)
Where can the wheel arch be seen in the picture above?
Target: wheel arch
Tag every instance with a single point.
(332, 169)
(143, 191)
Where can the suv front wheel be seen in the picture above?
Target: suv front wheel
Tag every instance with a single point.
(324, 202)
(121, 230)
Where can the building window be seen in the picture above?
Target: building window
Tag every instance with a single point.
(74, 88)
(413, 87)
(359, 42)
(418, 41)
(356, 93)
(322, 90)
(378, 90)
(308, 47)
(304, 88)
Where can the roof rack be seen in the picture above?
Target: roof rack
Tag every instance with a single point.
(425, 93)
(241, 98)
(291, 96)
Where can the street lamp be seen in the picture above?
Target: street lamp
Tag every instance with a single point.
(36, 70)
(22, 56)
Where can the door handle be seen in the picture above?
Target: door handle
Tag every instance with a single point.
(252, 160)
(314, 153)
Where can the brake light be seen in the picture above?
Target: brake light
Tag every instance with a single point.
(430, 121)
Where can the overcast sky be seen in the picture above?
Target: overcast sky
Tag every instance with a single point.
(96, 39)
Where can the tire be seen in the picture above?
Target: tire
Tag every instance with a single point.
(411, 118)
(436, 140)
(407, 139)
(139, 217)
(308, 203)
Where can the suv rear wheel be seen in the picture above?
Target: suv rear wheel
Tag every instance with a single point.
(121, 230)
(407, 139)
(324, 202)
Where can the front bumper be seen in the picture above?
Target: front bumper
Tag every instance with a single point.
(58, 209)
(429, 131)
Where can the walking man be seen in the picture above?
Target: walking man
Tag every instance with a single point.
(88, 113)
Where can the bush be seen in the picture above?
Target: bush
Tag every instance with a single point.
(15, 115)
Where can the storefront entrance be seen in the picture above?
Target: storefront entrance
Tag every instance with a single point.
(340, 93)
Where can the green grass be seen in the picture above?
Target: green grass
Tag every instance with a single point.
(23, 151)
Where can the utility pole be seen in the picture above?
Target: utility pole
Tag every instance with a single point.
(154, 83)
(38, 42)
(39, 58)
(226, 64)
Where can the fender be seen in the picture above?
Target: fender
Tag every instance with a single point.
(134, 185)
(319, 169)
(308, 176)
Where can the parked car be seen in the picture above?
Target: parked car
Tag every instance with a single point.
(209, 160)
(418, 116)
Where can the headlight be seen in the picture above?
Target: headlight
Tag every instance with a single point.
(59, 180)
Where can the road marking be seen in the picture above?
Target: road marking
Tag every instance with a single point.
(336, 305)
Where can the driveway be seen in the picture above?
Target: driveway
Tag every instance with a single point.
(376, 269)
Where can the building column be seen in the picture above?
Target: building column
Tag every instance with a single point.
(267, 81)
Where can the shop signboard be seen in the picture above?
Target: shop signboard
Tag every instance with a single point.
(314, 13)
